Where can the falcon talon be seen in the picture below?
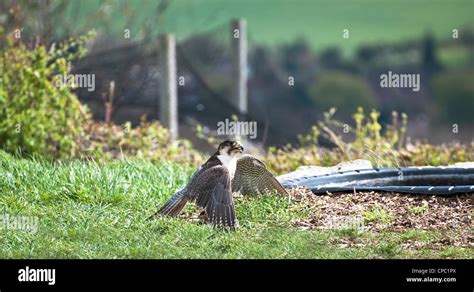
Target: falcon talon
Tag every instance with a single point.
(213, 184)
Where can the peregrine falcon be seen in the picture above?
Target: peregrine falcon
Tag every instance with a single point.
(213, 184)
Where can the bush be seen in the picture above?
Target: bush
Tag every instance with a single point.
(389, 148)
(37, 117)
(149, 140)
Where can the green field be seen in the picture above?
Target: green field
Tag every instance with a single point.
(87, 210)
(272, 22)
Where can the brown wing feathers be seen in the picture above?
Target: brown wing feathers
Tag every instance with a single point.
(212, 189)
(252, 177)
(174, 206)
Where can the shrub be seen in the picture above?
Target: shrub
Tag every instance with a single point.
(37, 117)
(383, 148)
(149, 140)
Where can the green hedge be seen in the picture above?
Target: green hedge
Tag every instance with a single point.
(37, 117)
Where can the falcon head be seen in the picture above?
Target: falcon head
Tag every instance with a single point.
(230, 148)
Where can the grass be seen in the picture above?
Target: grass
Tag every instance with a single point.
(90, 210)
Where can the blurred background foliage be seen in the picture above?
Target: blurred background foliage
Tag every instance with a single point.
(343, 91)
(454, 95)
(301, 39)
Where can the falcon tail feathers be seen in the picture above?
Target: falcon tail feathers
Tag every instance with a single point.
(221, 215)
(174, 206)
(220, 209)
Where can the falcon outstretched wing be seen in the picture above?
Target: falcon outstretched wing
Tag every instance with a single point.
(210, 188)
(252, 177)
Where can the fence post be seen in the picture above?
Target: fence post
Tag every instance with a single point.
(169, 89)
(240, 65)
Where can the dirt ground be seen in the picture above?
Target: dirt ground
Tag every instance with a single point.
(372, 211)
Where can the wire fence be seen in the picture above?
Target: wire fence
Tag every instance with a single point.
(209, 74)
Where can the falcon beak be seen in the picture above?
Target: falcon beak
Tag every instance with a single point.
(239, 148)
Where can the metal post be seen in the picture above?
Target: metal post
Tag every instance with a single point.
(240, 65)
(169, 87)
